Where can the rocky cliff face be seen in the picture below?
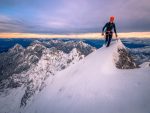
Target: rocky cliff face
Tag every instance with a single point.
(124, 59)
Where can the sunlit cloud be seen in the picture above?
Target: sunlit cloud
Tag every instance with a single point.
(77, 35)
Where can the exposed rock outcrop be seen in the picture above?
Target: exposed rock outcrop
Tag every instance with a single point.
(125, 60)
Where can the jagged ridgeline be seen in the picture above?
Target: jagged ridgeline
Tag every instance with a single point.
(29, 67)
(19, 59)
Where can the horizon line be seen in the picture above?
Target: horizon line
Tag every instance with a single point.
(74, 35)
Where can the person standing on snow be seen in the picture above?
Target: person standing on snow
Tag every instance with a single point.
(109, 26)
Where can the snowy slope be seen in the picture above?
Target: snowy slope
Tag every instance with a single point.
(95, 85)
(145, 65)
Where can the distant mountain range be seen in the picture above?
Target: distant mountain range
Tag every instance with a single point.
(139, 48)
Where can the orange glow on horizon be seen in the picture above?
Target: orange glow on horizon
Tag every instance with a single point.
(77, 35)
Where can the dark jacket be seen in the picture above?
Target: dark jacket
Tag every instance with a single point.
(109, 27)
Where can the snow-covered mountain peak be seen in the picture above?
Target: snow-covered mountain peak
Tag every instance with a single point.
(145, 65)
(83, 44)
(36, 47)
(120, 45)
(17, 48)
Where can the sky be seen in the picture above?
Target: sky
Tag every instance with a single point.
(72, 16)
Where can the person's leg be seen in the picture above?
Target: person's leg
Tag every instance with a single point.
(106, 39)
(109, 40)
